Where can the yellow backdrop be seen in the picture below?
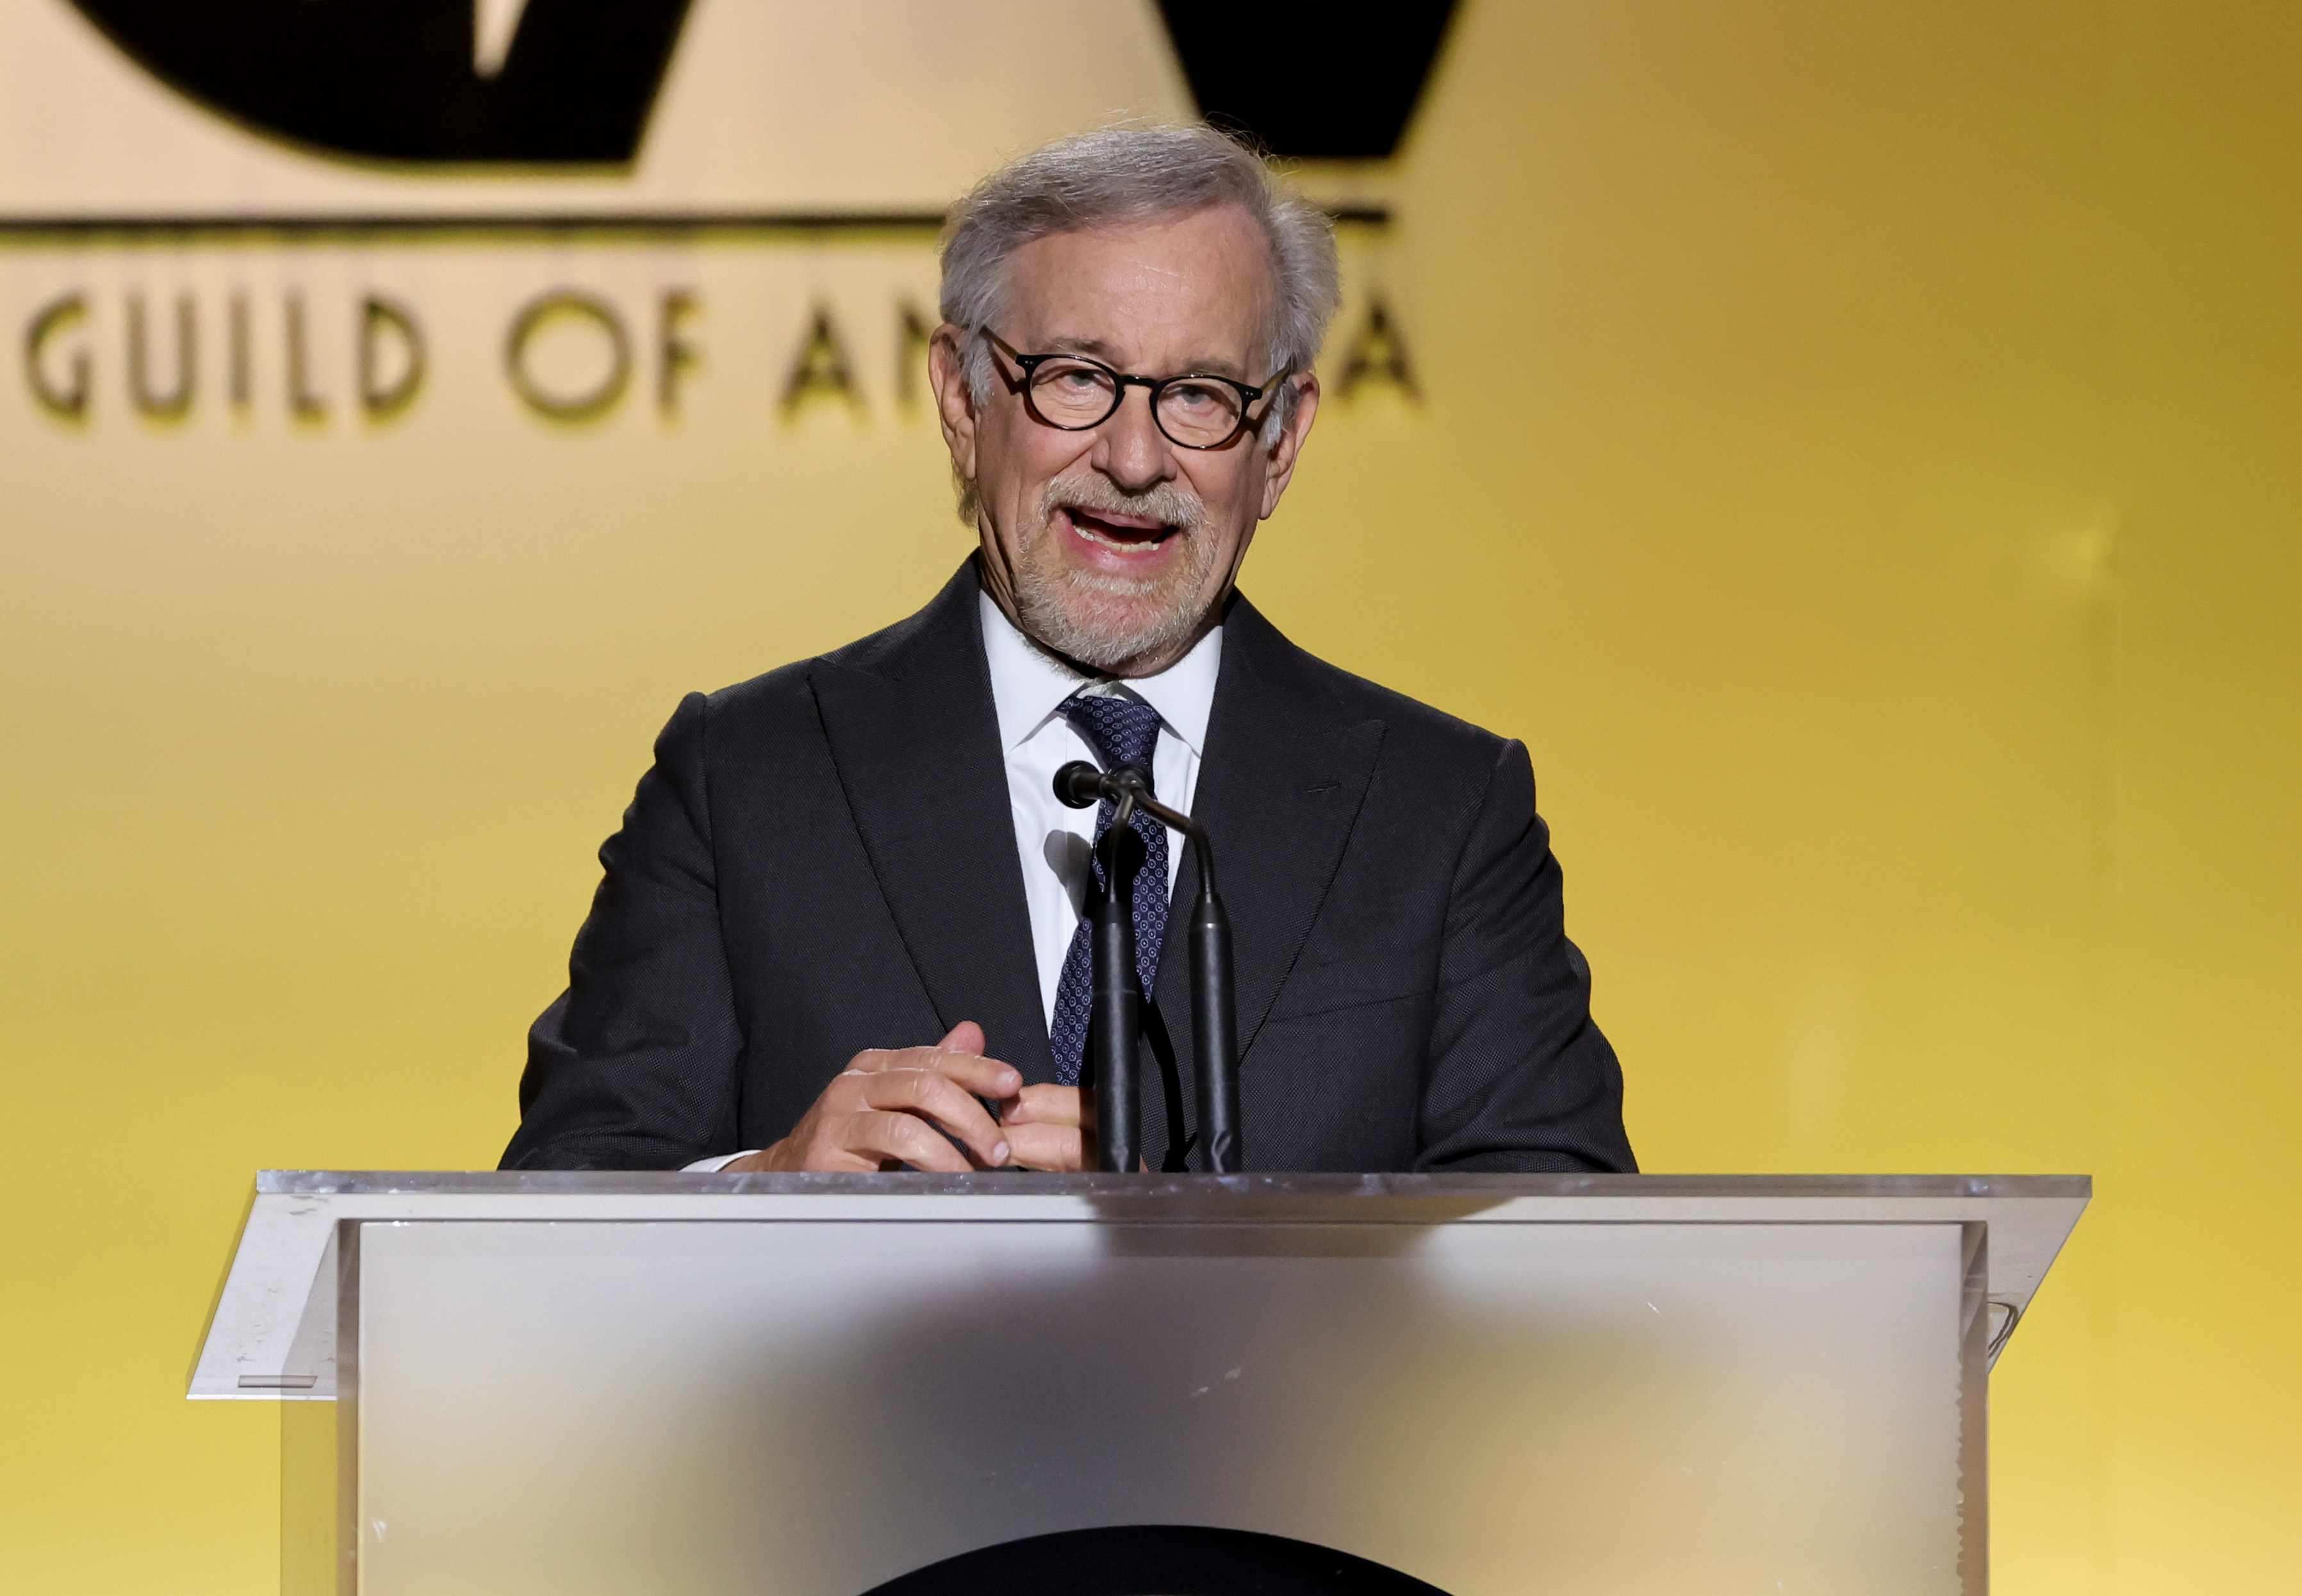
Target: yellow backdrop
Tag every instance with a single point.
(1857, 453)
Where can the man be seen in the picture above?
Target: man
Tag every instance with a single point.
(842, 915)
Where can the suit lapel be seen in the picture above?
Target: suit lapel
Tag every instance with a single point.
(1286, 770)
(915, 737)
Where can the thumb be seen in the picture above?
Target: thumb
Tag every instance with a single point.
(966, 1036)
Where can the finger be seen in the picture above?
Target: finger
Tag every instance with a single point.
(928, 1093)
(966, 1036)
(1042, 1106)
(901, 1136)
(985, 1076)
(1059, 1149)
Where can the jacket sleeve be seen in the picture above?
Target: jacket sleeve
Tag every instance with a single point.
(636, 1065)
(1518, 1076)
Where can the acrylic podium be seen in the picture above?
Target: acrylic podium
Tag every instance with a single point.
(580, 1385)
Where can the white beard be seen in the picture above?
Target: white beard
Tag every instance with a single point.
(1109, 621)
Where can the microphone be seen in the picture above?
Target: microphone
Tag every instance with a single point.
(1080, 786)
(1213, 1011)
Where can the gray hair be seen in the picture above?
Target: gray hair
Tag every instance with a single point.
(1120, 175)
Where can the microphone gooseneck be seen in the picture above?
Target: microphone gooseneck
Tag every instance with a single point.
(1213, 1011)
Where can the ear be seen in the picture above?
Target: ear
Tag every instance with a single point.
(954, 404)
(1279, 466)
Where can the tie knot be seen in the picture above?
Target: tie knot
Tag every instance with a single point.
(1126, 729)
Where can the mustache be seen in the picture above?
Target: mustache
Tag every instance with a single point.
(1177, 508)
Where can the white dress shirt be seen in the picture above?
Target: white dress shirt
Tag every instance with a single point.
(1029, 687)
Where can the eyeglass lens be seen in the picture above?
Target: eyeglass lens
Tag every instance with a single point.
(1076, 394)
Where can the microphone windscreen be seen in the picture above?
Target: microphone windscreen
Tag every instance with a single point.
(1079, 785)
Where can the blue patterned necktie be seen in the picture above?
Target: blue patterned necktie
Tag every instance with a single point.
(1127, 731)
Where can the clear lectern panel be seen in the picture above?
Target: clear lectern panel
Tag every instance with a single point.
(805, 1408)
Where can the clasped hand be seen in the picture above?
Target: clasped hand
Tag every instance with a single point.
(918, 1107)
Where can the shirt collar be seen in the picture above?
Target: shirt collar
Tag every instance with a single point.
(1028, 685)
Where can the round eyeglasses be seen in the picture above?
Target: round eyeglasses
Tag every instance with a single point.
(1074, 394)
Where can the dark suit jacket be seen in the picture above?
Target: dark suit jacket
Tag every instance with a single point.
(788, 890)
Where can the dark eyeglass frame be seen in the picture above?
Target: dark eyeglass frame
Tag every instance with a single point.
(1121, 382)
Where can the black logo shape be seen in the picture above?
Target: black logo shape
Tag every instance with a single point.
(1156, 1559)
(1324, 80)
(396, 79)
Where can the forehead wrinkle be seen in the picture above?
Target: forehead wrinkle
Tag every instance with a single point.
(1134, 270)
(1097, 348)
(1064, 343)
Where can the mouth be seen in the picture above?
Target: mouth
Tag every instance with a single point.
(1117, 530)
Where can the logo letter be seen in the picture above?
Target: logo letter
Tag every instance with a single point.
(383, 400)
(578, 407)
(65, 404)
(177, 403)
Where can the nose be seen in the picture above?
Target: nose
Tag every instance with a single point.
(1129, 448)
